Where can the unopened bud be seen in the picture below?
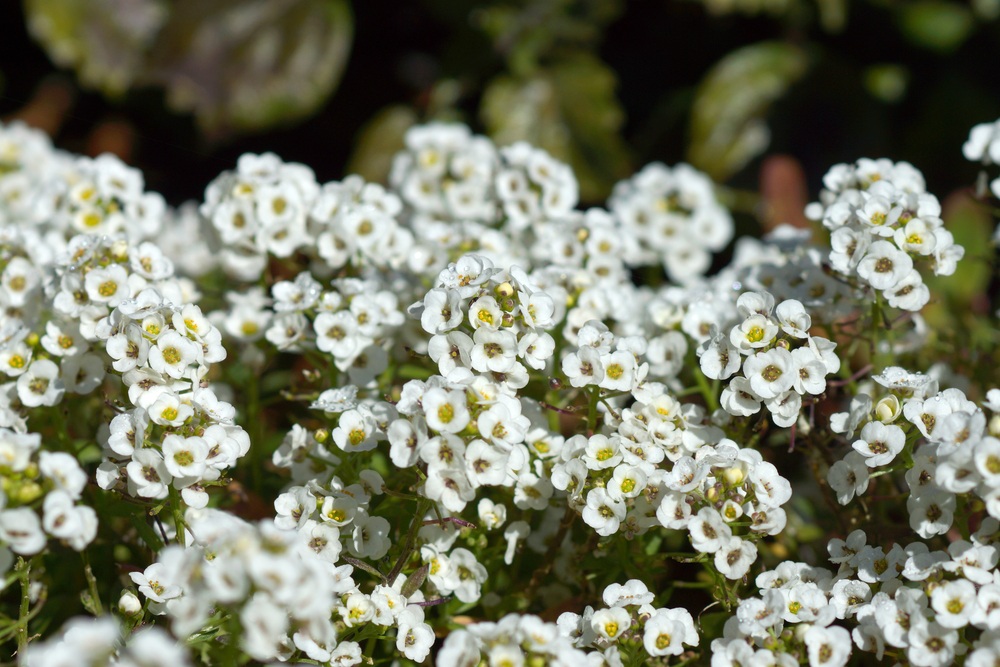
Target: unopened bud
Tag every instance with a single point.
(321, 435)
(733, 476)
(888, 409)
(129, 604)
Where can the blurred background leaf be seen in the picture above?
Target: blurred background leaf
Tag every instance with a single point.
(934, 24)
(105, 41)
(602, 84)
(248, 65)
(728, 127)
(237, 66)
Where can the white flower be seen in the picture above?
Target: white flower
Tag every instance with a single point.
(879, 443)
(148, 476)
(709, 531)
(756, 331)
(441, 311)
(619, 371)
(603, 513)
(184, 457)
(632, 592)
(173, 354)
(884, 265)
(931, 644)
(771, 373)
(955, 603)
(414, 638)
(468, 575)
(734, 557)
(446, 411)
(583, 367)
(848, 477)
(827, 647)
(718, 358)
(40, 384)
(21, 530)
(611, 623)
(493, 350)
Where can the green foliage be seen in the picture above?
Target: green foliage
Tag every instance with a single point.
(727, 118)
(935, 25)
(237, 66)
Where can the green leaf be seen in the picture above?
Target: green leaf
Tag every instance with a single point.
(570, 109)
(934, 24)
(380, 139)
(103, 40)
(972, 226)
(727, 117)
(249, 65)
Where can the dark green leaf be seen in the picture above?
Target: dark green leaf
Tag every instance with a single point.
(936, 25)
(103, 40)
(248, 65)
(727, 118)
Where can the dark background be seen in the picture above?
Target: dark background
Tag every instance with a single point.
(659, 51)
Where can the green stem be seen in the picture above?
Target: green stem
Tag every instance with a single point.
(95, 596)
(24, 572)
(707, 391)
(595, 398)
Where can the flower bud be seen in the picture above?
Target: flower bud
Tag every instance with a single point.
(995, 426)
(732, 476)
(888, 409)
(129, 604)
(321, 435)
(505, 290)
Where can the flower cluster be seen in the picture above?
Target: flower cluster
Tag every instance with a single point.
(485, 416)
(779, 360)
(675, 218)
(883, 224)
(628, 627)
(283, 586)
(100, 641)
(952, 453)
(40, 495)
(905, 600)
(179, 434)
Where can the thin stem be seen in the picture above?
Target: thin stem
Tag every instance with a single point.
(24, 572)
(707, 391)
(88, 572)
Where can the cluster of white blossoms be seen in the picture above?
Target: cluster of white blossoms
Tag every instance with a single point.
(628, 629)
(350, 321)
(950, 446)
(262, 207)
(884, 225)
(538, 413)
(101, 641)
(675, 218)
(285, 587)
(122, 298)
(779, 361)
(905, 600)
(51, 195)
(983, 146)
(40, 498)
